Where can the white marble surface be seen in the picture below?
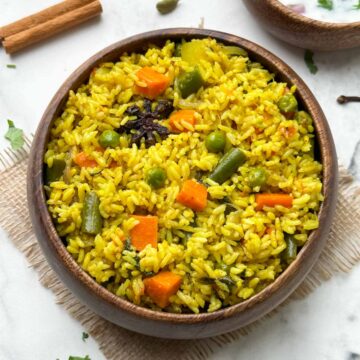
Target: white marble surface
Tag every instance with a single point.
(32, 327)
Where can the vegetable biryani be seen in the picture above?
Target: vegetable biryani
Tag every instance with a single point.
(183, 179)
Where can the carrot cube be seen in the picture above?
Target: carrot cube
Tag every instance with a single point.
(162, 286)
(145, 232)
(193, 195)
(176, 120)
(156, 83)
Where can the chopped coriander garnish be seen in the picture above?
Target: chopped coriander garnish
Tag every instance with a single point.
(11, 66)
(15, 136)
(79, 358)
(357, 6)
(84, 336)
(309, 61)
(326, 4)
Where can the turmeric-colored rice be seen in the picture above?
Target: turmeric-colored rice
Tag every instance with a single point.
(222, 257)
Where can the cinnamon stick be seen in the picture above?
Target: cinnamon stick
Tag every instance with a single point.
(47, 23)
(41, 17)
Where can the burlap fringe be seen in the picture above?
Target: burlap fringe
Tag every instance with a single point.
(342, 252)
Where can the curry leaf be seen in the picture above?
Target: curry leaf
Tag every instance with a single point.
(84, 336)
(309, 61)
(15, 136)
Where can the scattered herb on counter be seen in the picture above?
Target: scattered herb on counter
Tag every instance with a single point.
(85, 336)
(15, 136)
(11, 66)
(79, 358)
(342, 99)
(166, 6)
(326, 4)
(309, 61)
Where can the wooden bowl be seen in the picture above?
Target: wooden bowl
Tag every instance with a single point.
(304, 32)
(162, 324)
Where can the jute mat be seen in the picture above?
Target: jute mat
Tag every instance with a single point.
(342, 252)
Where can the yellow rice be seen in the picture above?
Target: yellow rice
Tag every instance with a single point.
(239, 99)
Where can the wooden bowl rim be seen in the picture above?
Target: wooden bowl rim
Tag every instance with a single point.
(328, 160)
(325, 25)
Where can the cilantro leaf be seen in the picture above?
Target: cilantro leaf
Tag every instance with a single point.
(357, 6)
(326, 4)
(309, 61)
(84, 336)
(79, 358)
(15, 136)
(11, 66)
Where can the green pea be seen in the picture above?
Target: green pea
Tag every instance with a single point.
(257, 177)
(235, 51)
(190, 82)
(109, 138)
(156, 177)
(290, 253)
(288, 103)
(228, 165)
(215, 142)
(166, 6)
(304, 119)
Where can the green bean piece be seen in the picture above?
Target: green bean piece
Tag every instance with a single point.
(303, 118)
(166, 6)
(156, 177)
(287, 103)
(55, 172)
(109, 138)
(177, 50)
(228, 165)
(257, 177)
(190, 82)
(289, 254)
(235, 51)
(91, 217)
(215, 142)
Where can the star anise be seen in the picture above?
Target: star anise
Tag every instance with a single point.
(144, 126)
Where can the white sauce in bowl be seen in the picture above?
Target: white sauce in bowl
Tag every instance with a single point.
(343, 10)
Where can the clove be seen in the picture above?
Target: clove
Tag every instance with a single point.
(346, 99)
